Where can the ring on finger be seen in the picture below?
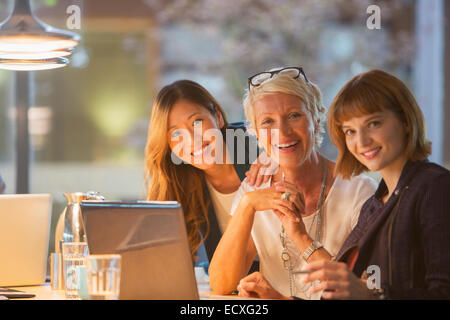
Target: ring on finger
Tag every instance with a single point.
(285, 196)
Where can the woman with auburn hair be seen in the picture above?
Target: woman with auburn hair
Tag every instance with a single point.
(400, 248)
(188, 159)
(297, 215)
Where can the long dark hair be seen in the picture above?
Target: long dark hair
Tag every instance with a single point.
(183, 182)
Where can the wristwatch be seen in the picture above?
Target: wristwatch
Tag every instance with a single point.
(313, 247)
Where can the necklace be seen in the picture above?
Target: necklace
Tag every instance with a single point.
(285, 256)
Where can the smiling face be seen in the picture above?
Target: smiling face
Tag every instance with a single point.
(285, 128)
(377, 140)
(188, 128)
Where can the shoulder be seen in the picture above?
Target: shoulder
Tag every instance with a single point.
(430, 172)
(245, 187)
(355, 185)
(431, 181)
(428, 178)
(351, 194)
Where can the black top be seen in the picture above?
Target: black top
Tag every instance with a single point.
(236, 143)
(408, 237)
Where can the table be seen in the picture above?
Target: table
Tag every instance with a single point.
(45, 292)
(42, 292)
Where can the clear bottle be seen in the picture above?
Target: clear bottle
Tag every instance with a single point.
(70, 224)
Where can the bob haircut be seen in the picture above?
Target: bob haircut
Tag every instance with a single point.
(308, 92)
(371, 92)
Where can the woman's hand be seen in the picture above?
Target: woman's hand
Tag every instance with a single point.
(295, 205)
(270, 199)
(337, 281)
(261, 170)
(256, 286)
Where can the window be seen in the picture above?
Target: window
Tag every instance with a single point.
(88, 123)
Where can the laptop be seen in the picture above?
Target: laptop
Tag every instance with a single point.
(24, 238)
(152, 240)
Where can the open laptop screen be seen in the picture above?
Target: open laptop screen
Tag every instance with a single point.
(24, 236)
(151, 237)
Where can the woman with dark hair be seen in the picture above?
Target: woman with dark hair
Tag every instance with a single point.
(400, 247)
(194, 156)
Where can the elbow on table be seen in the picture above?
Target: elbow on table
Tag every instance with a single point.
(221, 288)
(219, 283)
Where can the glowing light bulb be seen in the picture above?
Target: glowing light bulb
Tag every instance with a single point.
(32, 65)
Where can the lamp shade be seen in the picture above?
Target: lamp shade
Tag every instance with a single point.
(25, 38)
(36, 55)
(32, 65)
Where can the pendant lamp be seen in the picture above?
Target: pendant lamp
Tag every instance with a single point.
(27, 43)
(32, 65)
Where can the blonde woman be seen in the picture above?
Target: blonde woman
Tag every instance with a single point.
(298, 215)
(178, 168)
(401, 239)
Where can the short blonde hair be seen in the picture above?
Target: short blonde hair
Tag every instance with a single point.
(307, 91)
(368, 93)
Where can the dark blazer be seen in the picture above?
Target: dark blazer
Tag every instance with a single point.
(241, 165)
(408, 237)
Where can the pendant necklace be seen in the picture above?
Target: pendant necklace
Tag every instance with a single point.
(285, 256)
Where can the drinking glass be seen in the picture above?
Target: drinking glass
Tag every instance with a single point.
(74, 254)
(103, 276)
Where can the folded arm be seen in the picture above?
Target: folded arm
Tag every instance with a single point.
(235, 251)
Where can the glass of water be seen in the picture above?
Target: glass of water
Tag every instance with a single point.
(103, 276)
(74, 254)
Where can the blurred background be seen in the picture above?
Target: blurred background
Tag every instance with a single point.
(89, 121)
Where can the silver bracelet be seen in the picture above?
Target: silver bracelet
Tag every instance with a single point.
(315, 245)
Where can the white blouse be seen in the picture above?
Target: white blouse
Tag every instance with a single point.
(340, 214)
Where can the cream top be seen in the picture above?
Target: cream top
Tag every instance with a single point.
(340, 214)
(222, 203)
